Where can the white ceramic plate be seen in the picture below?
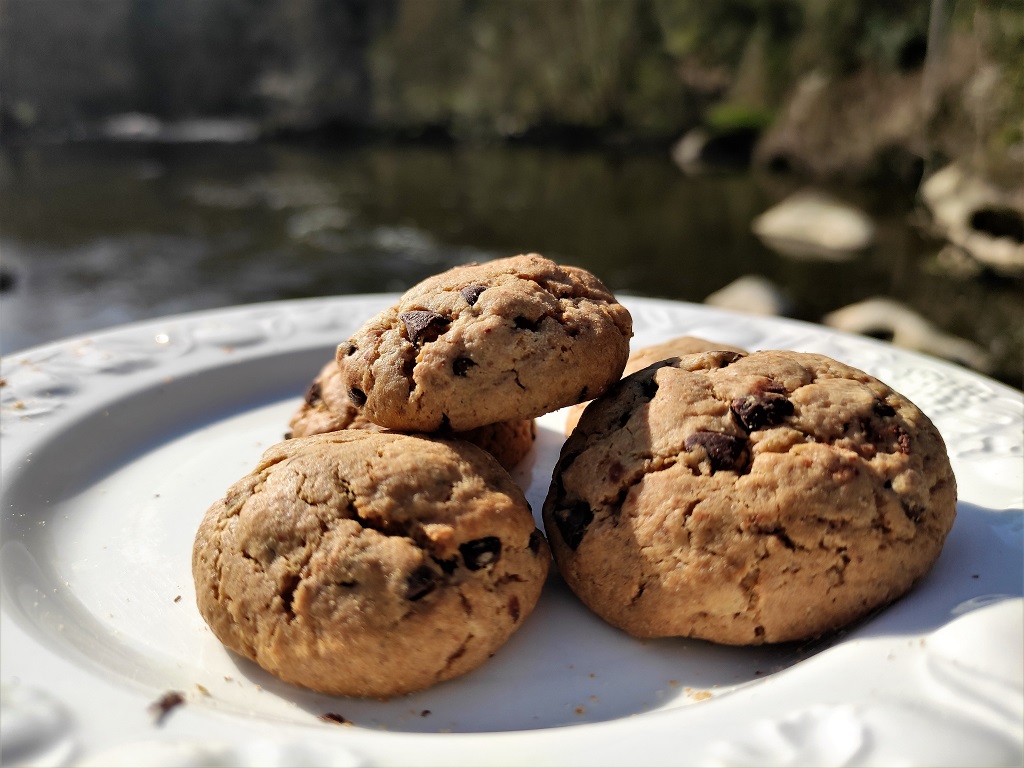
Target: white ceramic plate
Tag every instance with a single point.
(115, 444)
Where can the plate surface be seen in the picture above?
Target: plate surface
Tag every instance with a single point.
(115, 444)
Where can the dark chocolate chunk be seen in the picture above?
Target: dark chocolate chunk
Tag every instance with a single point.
(764, 410)
(357, 396)
(572, 522)
(481, 552)
(461, 366)
(421, 582)
(314, 394)
(724, 451)
(422, 325)
(472, 292)
(448, 566)
(513, 608)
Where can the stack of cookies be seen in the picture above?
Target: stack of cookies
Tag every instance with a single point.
(385, 548)
(742, 498)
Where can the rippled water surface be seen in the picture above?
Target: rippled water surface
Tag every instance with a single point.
(94, 236)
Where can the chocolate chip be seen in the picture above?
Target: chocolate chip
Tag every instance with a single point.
(421, 582)
(314, 394)
(572, 522)
(513, 608)
(448, 566)
(422, 325)
(481, 552)
(461, 366)
(764, 410)
(472, 292)
(357, 396)
(725, 452)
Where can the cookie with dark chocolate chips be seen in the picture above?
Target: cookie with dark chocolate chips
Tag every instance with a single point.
(327, 408)
(748, 499)
(506, 340)
(365, 563)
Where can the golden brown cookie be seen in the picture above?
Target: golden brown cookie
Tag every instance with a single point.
(327, 408)
(505, 340)
(748, 499)
(364, 563)
(641, 358)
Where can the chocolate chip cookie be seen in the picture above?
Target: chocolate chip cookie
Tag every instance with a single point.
(327, 408)
(641, 358)
(508, 339)
(369, 564)
(748, 499)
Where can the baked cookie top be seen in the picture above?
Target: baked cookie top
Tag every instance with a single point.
(644, 356)
(326, 408)
(507, 339)
(369, 564)
(748, 498)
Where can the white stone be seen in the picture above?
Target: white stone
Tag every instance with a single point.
(753, 294)
(812, 224)
(908, 330)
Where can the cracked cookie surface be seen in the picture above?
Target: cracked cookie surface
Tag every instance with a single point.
(369, 564)
(748, 499)
(500, 341)
(327, 408)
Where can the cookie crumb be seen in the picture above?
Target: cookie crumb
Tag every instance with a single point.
(425, 713)
(334, 717)
(177, 599)
(580, 710)
(160, 708)
(202, 689)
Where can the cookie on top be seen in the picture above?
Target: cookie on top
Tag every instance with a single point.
(327, 408)
(505, 340)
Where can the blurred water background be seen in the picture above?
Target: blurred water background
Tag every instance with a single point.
(157, 160)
